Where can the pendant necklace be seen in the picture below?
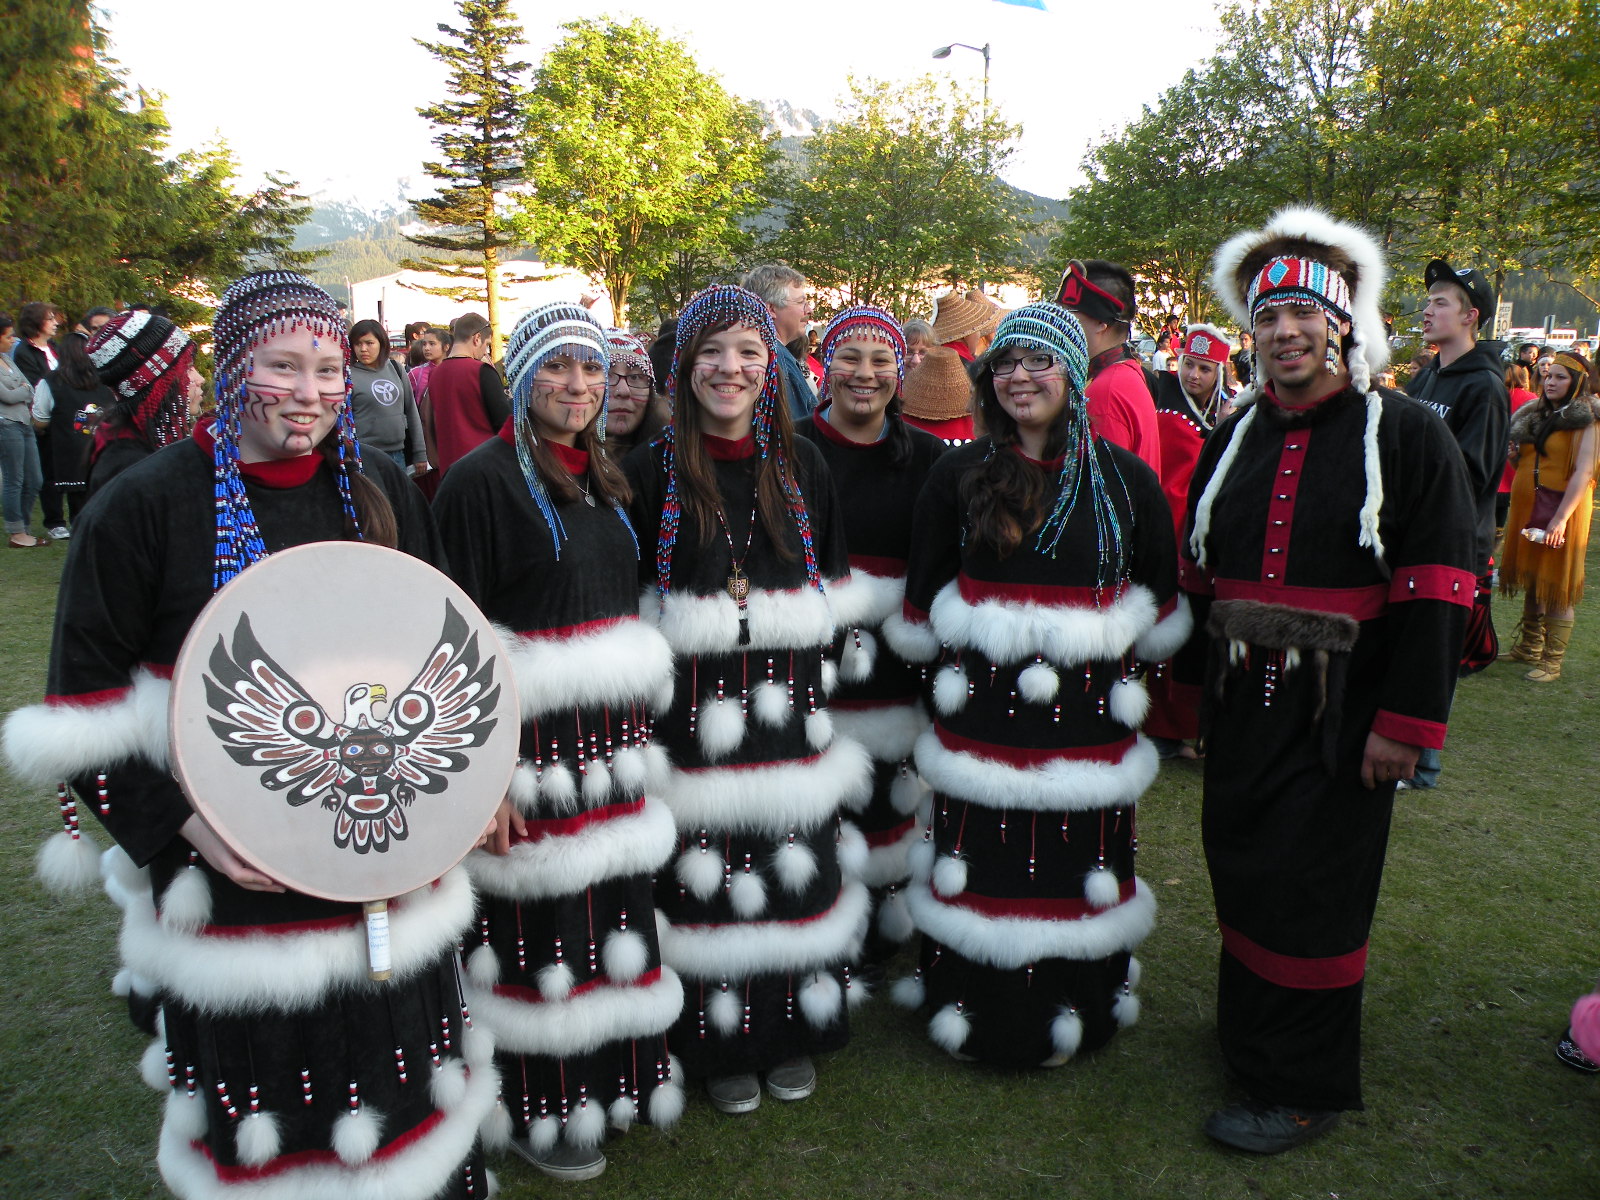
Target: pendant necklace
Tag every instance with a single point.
(738, 582)
(588, 498)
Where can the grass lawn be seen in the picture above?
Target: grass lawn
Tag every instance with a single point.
(1485, 934)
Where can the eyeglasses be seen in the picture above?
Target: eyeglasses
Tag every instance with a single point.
(634, 379)
(1033, 364)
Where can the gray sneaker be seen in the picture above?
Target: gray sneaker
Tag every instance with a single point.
(1267, 1128)
(565, 1162)
(735, 1094)
(60, 532)
(793, 1080)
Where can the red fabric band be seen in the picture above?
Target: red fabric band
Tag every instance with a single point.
(1305, 974)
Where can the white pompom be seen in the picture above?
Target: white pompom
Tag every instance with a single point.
(820, 1000)
(621, 1114)
(771, 703)
(186, 904)
(908, 992)
(1130, 702)
(153, 1066)
(1101, 887)
(357, 1135)
(950, 689)
(586, 1125)
(819, 729)
(558, 786)
(857, 991)
(658, 767)
(830, 677)
(542, 1134)
(524, 790)
(258, 1139)
(625, 956)
(122, 982)
(894, 918)
(555, 981)
(950, 1028)
(723, 1011)
(747, 893)
(1135, 972)
(496, 1128)
(795, 866)
(854, 853)
(629, 769)
(596, 783)
(906, 792)
(448, 1088)
(666, 1104)
(1125, 1009)
(483, 966)
(950, 875)
(721, 728)
(1039, 683)
(477, 1045)
(700, 872)
(856, 664)
(68, 865)
(919, 858)
(186, 1115)
(1066, 1032)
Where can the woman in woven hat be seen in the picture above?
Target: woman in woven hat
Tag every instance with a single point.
(1043, 573)
(286, 1071)
(563, 966)
(764, 902)
(965, 322)
(1547, 529)
(938, 397)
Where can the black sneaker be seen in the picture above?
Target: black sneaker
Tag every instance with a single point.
(1567, 1051)
(1267, 1128)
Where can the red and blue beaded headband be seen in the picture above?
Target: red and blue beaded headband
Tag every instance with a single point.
(862, 321)
(1287, 279)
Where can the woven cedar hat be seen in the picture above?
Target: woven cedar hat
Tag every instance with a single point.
(938, 388)
(957, 316)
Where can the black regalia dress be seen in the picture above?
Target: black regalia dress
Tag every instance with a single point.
(1024, 887)
(878, 701)
(287, 1072)
(764, 903)
(1308, 644)
(564, 965)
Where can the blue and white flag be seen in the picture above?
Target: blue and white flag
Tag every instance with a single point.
(1039, 4)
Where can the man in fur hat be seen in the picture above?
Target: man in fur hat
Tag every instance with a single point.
(1330, 562)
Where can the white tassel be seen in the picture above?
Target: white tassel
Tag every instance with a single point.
(186, 904)
(908, 992)
(555, 981)
(1208, 496)
(747, 893)
(830, 677)
(625, 956)
(700, 872)
(153, 1066)
(795, 866)
(542, 1135)
(1125, 1009)
(950, 690)
(920, 859)
(496, 1128)
(950, 1029)
(771, 704)
(1130, 702)
(477, 1045)
(721, 728)
(820, 1000)
(723, 1011)
(658, 767)
(357, 1136)
(950, 875)
(906, 792)
(558, 786)
(483, 966)
(1370, 536)
(1039, 683)
(666, 1103)
(524, 789)
(1101, 887)
(819, 729)
(856, 663)
(122, 982)
(1066, 1032)
(629, 769)
(894, 918)
(596, 783)
(586, 1125)
(68, 865)
(1135, 972)
(622, 1114)
(854, 853)
(186, 1115)
(258, 1139)
(448, 1088)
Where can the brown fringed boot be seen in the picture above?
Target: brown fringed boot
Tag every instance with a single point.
(1556, 636)
(1530, 635)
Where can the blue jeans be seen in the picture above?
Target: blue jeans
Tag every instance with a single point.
(19, 460)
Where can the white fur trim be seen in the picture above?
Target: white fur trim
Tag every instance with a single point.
(908, 992)
(1370, 537)
(583, 1021)
(559, 786)
(1061, 786)
(448, 1087)
(950, 689)
(543, 1133)
(722, 1011)
(586, 1124)
(294, 970)
(357, 1135)
(68, 865)
(153, 1066)
(1130, 702)
(889, 733)
(622, 1113)
(747, 893)
(769, 700)
(858, 656)
(913, 641)
(866, 599)
(558, 866)
(667, 1101)
(497, 1128)
(700, 871)
(889, 864)
(819, 729)
(258, 1138)
(735, 951)
(621, 664)
(1066, 1032)
(830, 677)
(1102, 888)
(721, 727)
(625, 955)
(949, 875)
(770, 798)
(1012, 942)
(950, 1028)
(1169, 634)
(779, 620)
(596, 783)
(555, 981)
(1125, 1008)
(1008, 631)
(1208, 494)
(49, 742)
(795, 866)
(186, 904)
(821, 1000)
(483, 966)
(1039, 683)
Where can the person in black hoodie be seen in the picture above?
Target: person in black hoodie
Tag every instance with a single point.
(1465, 385)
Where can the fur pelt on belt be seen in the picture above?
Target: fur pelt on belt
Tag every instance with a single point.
(1279, 627)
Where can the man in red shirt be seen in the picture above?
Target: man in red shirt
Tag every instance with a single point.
(1121, 409)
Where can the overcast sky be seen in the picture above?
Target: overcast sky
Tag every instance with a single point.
(327, 91)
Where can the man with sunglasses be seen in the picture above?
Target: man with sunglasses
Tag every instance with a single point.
(1121, 405)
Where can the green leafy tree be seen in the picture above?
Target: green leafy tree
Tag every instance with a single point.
(639, 163)
(902, 192)
(480, 131)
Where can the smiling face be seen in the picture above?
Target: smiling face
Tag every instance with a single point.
(1292, 347)
(1033, 401)
(862, 380)
(565, 397)
(726, 377)
(293, 395)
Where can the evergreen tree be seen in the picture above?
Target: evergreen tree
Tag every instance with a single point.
(480, 139)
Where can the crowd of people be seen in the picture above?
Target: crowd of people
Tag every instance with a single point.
(924, 607)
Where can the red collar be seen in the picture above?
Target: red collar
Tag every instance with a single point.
(574, 460)
(729, 449)
(273, 473)
(1272, 395)
(825, 427)
(1052, 464)
(1108, 357)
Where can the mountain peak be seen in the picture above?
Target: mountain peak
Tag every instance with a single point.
(784, 119)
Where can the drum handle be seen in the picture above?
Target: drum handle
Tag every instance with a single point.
(378, 960)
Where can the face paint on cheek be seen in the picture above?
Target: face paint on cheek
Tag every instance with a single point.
(261, 399)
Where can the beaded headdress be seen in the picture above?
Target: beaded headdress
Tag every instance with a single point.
(628, 351)
(724, 306)
(1288, 279)
(145, 360)
(862, 321)
(260, 306)
(557, 328)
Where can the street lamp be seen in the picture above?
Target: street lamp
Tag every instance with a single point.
(944, 52)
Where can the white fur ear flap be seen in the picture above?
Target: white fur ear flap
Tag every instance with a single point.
(555, 981)
(722, 1010)
(830, 677)
(496, 1128)
(68, 865)
(586, 1124)
(908, 991)
(1101, 887)
(721, 728)
(629, 769)
(819, 729)
(907, 791)
(771, 704)
(1066, 1032)
(666, 1103)
(1130, 702)
(153, 1066)
(558, 786)
(894, 917)
(747, 893)
(542, 1134)
(1039, 683)
(821, 1000)
(258, 1139)
(950, 1028)
(949, 875)
(950, 689)
(596, 783)
(186, 904)
(859, 657)
(1126, 1008)
(357, 1135)
(795, 865)
(625, 956)
(483, 966)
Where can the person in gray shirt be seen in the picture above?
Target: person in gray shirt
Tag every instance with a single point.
(387, 421)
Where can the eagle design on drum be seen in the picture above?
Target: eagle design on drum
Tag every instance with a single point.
(366, 769)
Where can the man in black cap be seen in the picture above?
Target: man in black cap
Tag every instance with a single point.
(1465, 385)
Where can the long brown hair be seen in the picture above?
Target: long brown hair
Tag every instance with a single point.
(697, 482)
(1005, 493)
(373, 510)
(606, 481)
